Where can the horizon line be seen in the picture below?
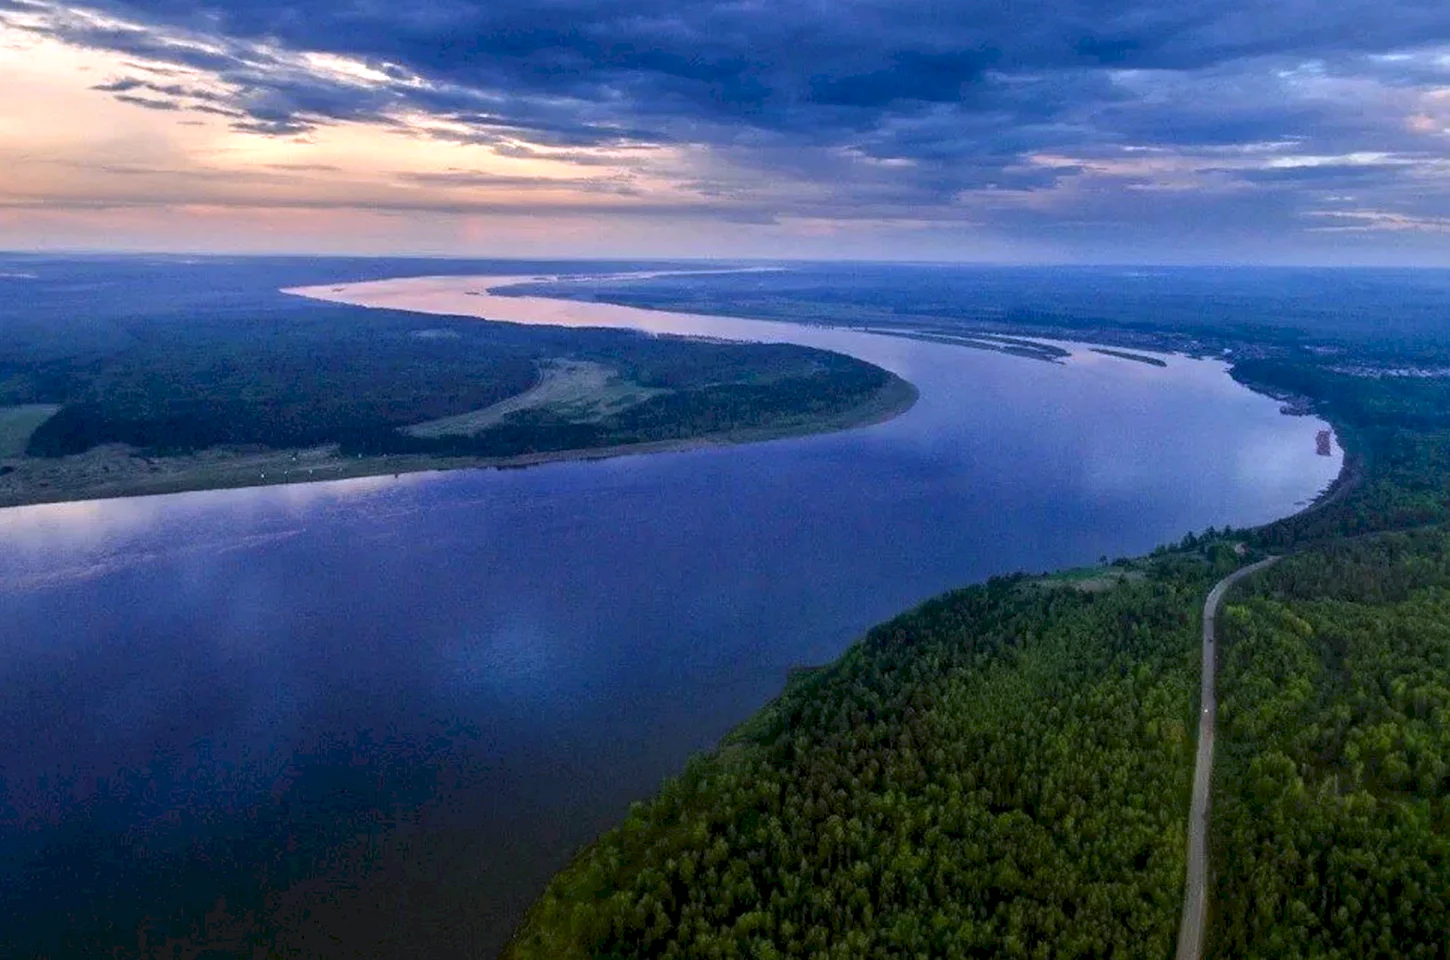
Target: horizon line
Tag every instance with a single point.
(94, 253)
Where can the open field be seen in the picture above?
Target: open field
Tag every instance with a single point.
(575, 390)
(1089, 579)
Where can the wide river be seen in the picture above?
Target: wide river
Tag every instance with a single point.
(490, 665)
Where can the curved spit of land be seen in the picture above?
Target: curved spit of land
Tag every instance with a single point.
(1195, 888)
(335, 399)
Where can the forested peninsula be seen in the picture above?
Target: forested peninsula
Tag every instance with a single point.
(1005, 771)
(100, 401)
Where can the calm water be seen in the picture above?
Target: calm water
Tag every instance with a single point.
(451, 681)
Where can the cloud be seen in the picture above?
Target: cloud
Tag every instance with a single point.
(147, 102)
(466, 179)
(1374, 221)
(602, 72)
(186, 197)
(855, 109)
(1325, 174)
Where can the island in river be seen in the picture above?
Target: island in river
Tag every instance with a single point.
(97, 405)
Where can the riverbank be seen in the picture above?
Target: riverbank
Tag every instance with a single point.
(594, 625)
(115, 470)
(999, 846)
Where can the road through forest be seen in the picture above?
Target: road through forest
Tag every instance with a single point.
(1195, 890)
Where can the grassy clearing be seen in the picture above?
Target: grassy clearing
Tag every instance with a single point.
(1090, 579)
(19, 422)
(579, 391)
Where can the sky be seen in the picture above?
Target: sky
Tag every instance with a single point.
(1183, 131)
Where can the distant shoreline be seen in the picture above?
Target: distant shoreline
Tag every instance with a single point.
(119, 472)
(1125, 355)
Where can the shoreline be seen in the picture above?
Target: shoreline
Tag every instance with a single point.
(1101, 342)
(119, 472)
(1351, 474)
(234, 469)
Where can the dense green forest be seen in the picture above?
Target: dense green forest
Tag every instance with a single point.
(1004, 772)
(1332, 802)
(336, 375)
(172, 358)
(1396, 431)
(1330, 829)
(1000, 772)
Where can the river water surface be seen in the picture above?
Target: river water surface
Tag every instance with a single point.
(505, 659)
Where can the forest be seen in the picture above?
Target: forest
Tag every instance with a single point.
(345, 376)
(1330, 811)
(171, 374)
(1001, 772)
(289, 391)
(1004, 772)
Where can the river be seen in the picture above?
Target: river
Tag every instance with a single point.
(474, 672)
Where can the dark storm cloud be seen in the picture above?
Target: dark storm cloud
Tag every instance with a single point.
(926, 77)
(800, 67)
(1201, 121)
(890, 106)
(723, 41)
